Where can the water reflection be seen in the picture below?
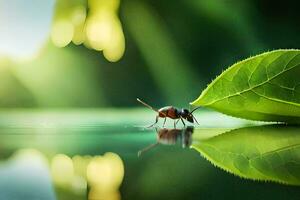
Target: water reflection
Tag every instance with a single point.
(269, 152)
(84, 177)
(25, 175)
(167, 136)
(70, 166)
(101, 176)
(105, 175)
(62, 170)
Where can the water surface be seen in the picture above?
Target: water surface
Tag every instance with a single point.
(93, 154)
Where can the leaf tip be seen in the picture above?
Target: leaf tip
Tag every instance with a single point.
(195, 102)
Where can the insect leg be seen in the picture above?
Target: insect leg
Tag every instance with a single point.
(175, 122)
(182, 121)
(164, 122)
(156, 120)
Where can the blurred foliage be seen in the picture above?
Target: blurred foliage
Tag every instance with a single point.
(61, 79)
(173, 49)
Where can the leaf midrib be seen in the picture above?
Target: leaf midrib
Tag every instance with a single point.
(256, 86)
(256, 156)
(277, 100)
(221, 165)
(286, 148)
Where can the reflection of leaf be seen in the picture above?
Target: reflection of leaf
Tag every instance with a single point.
(265, 87)
(260, 153)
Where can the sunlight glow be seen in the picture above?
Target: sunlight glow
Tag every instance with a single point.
(117, 46)
(101, 30)
(24, 28)
(62, 33)
(104, 29)
(78, 15)
(99, 33)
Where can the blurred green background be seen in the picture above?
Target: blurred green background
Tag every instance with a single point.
(53, 54)
(104, 54)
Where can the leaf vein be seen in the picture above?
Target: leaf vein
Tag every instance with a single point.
(256, 86)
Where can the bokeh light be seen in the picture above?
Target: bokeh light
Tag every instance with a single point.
(31, 156)
(62, 170)
(106, 172)
(99, 29)
(97, 194)
(103, 175)
(62, 33)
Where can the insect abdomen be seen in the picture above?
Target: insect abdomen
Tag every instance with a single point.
(168, 111)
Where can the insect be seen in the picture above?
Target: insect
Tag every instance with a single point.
(173, 113)
(170, 137)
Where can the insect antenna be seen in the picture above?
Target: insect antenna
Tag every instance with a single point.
(147, 148)
(194, 109)
(191, 113)
(145, 104)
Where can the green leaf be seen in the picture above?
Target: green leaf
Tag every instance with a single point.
(269, 153)
(265, 87)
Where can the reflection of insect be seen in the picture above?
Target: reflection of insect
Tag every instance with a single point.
(171, 136)
(173, 113)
